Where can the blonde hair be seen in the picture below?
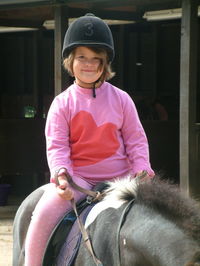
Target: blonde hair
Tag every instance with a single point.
(107, 72)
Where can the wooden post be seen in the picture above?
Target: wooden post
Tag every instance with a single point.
(35, 70)
(61, 24)
(188, 84)
(121, 57)
(38, 86)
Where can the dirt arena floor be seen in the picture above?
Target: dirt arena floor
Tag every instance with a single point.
(7, 214)
(6, 242)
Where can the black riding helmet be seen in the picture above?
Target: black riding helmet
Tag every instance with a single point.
(89, 31)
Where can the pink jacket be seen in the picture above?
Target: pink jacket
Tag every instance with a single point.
(96, 138)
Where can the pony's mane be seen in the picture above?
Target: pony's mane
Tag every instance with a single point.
(162, 196)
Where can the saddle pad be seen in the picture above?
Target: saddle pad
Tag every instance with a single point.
(70, 247)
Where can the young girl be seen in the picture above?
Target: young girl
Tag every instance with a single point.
(93, 132)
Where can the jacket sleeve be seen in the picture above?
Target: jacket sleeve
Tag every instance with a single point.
(57, 137)
(135, 139)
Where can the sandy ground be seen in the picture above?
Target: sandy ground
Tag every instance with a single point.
(7, 214)
(6, 242)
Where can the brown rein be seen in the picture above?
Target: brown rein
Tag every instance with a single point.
(95, 196)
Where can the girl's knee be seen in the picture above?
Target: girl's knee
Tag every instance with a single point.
(50, 205)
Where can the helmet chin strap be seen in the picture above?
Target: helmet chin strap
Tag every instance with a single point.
(94, 87)
(98, 82)
(94, 91)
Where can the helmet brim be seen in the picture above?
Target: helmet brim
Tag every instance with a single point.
(68, 50)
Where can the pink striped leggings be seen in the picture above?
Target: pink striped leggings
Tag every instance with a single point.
(49, 210)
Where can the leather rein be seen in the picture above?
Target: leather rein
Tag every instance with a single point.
(93, 196)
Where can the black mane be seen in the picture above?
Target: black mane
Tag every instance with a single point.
(168, 200)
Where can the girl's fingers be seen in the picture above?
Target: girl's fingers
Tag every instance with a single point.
(65, 193)
(63, 184)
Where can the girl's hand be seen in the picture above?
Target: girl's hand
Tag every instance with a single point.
(143, 175)
(63, 188)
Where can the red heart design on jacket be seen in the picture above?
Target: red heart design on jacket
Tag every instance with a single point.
(91, 143)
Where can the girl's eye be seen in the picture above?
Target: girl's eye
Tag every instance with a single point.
(97, 60)
(80, 58)
(83, 59)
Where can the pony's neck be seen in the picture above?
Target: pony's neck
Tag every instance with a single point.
(158, 239)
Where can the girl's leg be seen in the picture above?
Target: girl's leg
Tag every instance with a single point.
(48, 212)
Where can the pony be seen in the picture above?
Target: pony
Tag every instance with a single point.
(138, 223)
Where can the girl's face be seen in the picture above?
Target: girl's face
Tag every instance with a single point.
(87, 67)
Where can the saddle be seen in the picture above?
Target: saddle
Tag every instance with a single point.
(66, 235)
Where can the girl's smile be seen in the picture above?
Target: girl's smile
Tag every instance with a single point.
(86, 67)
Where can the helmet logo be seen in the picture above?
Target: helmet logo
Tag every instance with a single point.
(89, 29)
